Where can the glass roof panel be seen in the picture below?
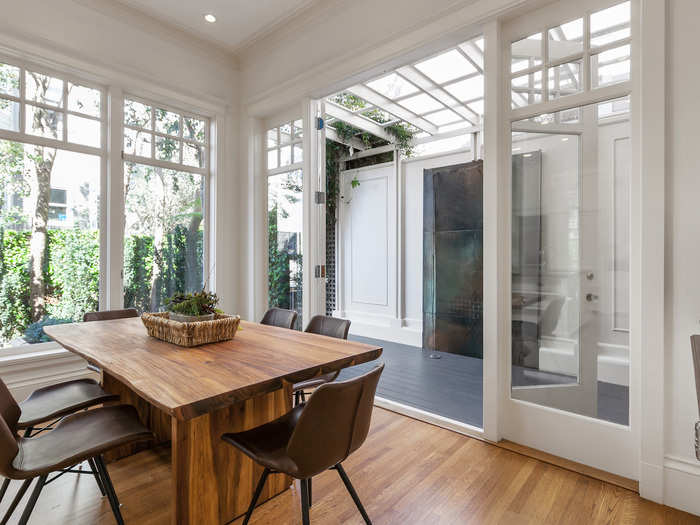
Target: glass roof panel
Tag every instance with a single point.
(566, 40)
(392, 86)
(454, 127)
(379, 116)
(605, 23)
(349, 101)
(446, 67)
(526, 53)
(477, 107)
(420, 104)
(445, 116)
(469, 89)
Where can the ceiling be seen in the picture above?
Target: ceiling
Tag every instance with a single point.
(239, 22)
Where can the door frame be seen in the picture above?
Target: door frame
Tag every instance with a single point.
(647, 201)
(645, 432)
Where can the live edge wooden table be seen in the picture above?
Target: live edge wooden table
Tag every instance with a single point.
(191, 396)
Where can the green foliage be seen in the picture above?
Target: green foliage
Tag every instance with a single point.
(284, 259)
(198, 303)
(138, 269)
(73, 273)
(35, 331)
(404, 137)
(349, 101)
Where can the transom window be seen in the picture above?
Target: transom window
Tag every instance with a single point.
(285, 145)
(573, 57)
(163, 136)
(53, 108)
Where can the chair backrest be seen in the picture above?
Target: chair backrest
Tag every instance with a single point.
(334, 423)
(109, 315)
(280, 317)
(695, 347)
(550, 316)
(330, 326)
(9, 415)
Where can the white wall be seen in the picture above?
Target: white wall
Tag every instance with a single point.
(682, 480)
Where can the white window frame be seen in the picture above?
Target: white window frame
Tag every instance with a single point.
(21, 136)
(209, 271)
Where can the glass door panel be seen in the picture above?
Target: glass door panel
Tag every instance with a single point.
(285, 218)
(570, 261)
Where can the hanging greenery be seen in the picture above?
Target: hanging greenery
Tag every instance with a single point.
(403, 134)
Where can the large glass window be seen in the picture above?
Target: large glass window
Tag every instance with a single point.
(164, 193)
(285, 214)
(50, 173)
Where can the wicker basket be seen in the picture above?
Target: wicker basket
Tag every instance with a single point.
(160, 326)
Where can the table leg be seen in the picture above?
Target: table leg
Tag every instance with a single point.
(212, 481)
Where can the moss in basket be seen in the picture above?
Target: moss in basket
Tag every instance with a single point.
(198, 303)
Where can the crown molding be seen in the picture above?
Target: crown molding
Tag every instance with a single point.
(164, 30)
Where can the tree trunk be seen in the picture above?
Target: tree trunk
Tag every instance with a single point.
(43, 165)
(193, 275)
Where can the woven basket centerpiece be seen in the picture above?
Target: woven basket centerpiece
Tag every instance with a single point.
(222, 328)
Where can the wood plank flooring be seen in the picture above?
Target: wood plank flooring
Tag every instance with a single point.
(408, 472)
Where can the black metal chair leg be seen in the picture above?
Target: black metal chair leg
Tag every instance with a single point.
(15, 502)
(311, 499)
(32, 500)
(109, 488)
(305, 502)
(256, 495)
(96, 474)
(351, 490)
(28, 432)
(3, 489)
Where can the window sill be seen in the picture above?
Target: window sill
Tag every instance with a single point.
(25, 370)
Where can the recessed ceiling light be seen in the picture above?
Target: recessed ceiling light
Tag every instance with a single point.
(210, 18)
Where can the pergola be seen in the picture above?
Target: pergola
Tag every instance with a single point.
(441, 97)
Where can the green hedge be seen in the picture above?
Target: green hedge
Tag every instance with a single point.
(71, 273)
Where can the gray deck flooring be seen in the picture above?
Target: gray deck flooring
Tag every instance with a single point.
(452, 386)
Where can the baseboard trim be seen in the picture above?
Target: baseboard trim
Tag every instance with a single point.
(429, 417)
(573, 466)
(681, 483)
(402, 335)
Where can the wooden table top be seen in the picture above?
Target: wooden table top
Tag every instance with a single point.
(189, 382)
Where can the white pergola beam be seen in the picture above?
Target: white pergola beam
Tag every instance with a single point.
(392, 107)
(435, 91)
(357, 121)
(354, 142)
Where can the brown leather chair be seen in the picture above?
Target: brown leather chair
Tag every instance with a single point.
(331, 327)
(280, 317)
(84, 436)
(695, 348)
(313, 437)
(50, 404)
(110, 315)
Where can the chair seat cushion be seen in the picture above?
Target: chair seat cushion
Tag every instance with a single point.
(267, 444)
(54, 401)
(315, 382)
(79, 437)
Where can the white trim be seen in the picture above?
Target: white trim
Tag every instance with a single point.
(647, 197)
(41, 367)
(681, 483)
(429, 417)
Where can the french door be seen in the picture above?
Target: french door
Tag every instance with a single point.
(567, 388)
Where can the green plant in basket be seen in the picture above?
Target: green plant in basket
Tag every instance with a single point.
(195, 304)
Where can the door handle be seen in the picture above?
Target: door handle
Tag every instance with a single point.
(590, 297)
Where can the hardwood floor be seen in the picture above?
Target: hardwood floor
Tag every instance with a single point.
(407, 472)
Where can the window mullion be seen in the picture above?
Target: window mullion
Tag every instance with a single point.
(586, 64)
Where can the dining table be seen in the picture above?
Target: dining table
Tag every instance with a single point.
(189, 397)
